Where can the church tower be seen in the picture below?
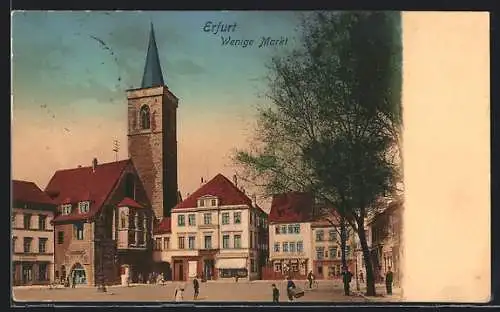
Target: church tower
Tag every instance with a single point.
(152, 134)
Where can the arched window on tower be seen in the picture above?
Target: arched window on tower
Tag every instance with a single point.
(145, 117)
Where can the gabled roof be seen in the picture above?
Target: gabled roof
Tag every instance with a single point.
(164, 227)
(129, 202)
(152, 76)
(82, 184)
(29, 192)
(222, 188)
(291, 207)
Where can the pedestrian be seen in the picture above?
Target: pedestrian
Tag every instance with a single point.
(290, 288)
(179, 293)
(196, 286)
(361, 277)
(276, 294)
(310, 278)
(346, 278)
(73, 281)
(388, 281)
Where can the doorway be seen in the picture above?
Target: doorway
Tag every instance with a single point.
(208, 269)
(78, 275)
(178, 270)
(27, 273)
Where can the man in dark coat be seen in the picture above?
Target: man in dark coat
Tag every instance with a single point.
(276, 294)
(346, 278)
(196, 286)
(388, 281)
(290, 287)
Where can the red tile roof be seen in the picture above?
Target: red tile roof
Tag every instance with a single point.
(164, 227)
(129, 202)
(29, 192)
(291, 207)
(222, 188)
(80, 184)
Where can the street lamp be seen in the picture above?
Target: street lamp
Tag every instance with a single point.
(101, 287)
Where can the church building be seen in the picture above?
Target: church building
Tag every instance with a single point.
(152, 134)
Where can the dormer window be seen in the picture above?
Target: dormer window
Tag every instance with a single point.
(201, 203)
(66, 209)
(84, 206)
(213, 202)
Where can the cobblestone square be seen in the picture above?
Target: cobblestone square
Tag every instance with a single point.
(327, 291)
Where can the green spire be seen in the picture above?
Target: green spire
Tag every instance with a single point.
(152, 76)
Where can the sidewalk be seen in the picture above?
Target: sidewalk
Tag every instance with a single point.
(381, 293)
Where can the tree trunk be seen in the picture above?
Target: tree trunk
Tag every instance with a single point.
(370, 277)
(343, 242)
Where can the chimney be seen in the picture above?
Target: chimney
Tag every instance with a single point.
(201, 179)
(235, 180)
(94, 164)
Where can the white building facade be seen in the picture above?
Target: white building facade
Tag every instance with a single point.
(216, 233)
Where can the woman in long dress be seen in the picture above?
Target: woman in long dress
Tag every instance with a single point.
(179, 293)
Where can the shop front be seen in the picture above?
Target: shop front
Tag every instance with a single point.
(232, 267)
(208, 264)
(186, 268)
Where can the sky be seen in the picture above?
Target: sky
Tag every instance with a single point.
(68, 91)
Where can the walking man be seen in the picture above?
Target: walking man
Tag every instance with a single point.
(310, 278)
(346, 278)
(276, 294)
(388, 281)
(196, 286)
(73, 281)
(290, 288)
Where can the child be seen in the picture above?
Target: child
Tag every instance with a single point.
(276, 294)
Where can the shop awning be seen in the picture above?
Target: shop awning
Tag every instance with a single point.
(237, 263)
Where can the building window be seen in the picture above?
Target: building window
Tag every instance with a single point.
(158, 243)
(276, 247)
(208, 242)
(14, 241)
(277, 266)
(181, 220)
(225, 218)
(27, 221)
(130, 186)
(277, 229)
(251, 239)
(191, 242)
(297, 228)
(66, 209)
(42, 245)
(319, 235)
(252, 266)
(42, 222)
(320, 253)
(180, 242)
(78, 231)
(14, 215)
(60, 237)
(43, 272)
(123, 220)
(237, 217)
(166, 243)
(332, 235)
(207, 218)
(201, 203)
(237, 241)
(27, 244)
(225, 241)
(283, 229)
(292, 246)
(333, 252)
(300, 246)
(285, 247)
(213, 202)
(191, 219)
(145, 117)
(291, 228)
(84, 206)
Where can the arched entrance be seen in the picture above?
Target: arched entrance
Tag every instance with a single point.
(78, 275)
